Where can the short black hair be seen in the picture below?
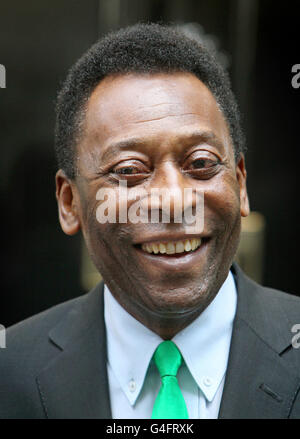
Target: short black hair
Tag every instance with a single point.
(141, 48)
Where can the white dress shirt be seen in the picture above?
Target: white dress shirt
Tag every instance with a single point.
(133, 378)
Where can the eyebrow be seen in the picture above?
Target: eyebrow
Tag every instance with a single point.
(205, 136)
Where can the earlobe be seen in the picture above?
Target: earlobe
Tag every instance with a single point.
(241, 174)
(67, 206)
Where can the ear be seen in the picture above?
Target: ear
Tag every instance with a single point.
(241, 175)
(67, 206)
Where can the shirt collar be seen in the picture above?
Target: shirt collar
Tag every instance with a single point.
(130, 346)
(204, 344)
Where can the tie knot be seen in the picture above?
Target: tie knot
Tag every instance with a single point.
(167, 358)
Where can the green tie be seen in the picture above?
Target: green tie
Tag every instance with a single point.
(169, 403)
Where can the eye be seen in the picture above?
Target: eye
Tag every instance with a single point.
(203, 163)
(131, 170)
(128, 170)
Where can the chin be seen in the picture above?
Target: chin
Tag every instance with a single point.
(174, 301)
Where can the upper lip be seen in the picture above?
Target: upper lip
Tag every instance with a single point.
(167, 237)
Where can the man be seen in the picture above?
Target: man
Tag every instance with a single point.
(176, 330)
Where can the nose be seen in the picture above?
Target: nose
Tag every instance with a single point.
(172, 190)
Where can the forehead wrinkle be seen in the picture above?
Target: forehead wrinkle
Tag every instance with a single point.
(164, 117)
(126, 144)
(199, 136)
(104, 132)
(150, 95)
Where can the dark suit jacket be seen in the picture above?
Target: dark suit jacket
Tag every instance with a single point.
(54, 365)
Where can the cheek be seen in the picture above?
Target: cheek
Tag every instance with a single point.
(222, 203)
(101, 246)
(95, 234)
(107, 242)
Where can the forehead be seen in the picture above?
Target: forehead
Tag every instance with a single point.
(151, 106)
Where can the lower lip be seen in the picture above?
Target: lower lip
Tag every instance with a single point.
(177, 261)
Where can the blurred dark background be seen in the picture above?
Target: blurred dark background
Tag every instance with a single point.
(258, 42)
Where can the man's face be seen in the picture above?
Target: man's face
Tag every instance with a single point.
(159, 131)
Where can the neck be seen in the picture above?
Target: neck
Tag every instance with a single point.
(165, 324)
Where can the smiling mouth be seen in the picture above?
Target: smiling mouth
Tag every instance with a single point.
(172, 247)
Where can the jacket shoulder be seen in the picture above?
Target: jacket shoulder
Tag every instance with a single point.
(31, 331)
(274, 301)
(28, 349)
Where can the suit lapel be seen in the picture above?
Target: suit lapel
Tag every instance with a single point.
(259, 383)
(75, 384)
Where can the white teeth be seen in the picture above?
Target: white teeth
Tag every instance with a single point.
(171, 248)
(155, 248)
(179, 247)
(187, 245)
(162, 248)
(194, 243)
